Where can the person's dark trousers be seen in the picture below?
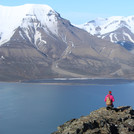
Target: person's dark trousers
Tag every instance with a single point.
(110, 107)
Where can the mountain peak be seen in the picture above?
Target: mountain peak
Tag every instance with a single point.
(42, 13)
(108, 24)
(115, 29)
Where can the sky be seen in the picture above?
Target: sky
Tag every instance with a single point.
(82, 11)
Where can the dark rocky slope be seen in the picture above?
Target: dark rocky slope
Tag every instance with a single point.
(101, 121)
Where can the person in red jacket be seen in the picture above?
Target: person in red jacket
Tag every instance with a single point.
(109, 99)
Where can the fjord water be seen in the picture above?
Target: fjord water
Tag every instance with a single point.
(40, 108)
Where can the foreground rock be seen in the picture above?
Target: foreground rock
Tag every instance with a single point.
(102, 121)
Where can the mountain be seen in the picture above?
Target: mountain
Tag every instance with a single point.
(117, 29)
(37, 43)
(102, 121)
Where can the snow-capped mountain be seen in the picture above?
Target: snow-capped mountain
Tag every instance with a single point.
(117, 29)
(37, 43)
(23, 17)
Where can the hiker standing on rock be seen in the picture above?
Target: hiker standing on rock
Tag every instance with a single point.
(109, 99)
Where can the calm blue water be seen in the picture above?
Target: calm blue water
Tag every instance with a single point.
(39, 109)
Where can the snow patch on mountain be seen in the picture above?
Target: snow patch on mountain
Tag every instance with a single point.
(129, 37)
(13, 17)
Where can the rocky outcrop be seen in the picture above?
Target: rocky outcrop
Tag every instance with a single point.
(101, 121)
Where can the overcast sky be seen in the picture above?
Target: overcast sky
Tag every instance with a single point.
(82, 11)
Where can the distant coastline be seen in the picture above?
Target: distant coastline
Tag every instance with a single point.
(80, 81)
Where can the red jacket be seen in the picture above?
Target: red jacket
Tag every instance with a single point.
(111, 98)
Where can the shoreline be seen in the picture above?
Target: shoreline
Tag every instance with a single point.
(75, 81)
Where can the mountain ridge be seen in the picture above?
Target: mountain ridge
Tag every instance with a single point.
(45, 45)
(117, 29)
